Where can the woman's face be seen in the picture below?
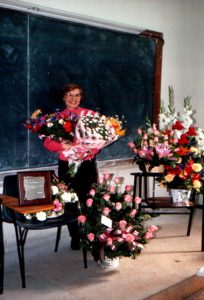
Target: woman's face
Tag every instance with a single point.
(72, 99)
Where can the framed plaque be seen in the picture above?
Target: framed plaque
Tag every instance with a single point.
(34, 187)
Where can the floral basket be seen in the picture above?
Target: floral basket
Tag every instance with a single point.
(111, 225)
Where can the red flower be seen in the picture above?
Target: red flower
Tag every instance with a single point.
(68, 127)
(177, 126)
(191, 131)
(183, 139)
(181, 151)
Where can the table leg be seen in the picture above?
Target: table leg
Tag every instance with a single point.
(1, 252)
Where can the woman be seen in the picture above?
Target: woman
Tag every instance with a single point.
(87, 173)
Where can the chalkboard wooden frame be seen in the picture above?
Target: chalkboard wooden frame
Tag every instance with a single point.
(22, 150)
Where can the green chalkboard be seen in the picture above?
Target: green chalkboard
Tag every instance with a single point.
(120, 73)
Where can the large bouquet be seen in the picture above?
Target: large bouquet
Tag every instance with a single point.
(110, 221)
(93, 133)
(57, 126)
(88, 133)
(178, 145)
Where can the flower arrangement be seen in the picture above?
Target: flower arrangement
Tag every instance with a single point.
(88, 133)
(93, 133)
(110, 221)
(61, 195)
(56, 126)
(178, 145)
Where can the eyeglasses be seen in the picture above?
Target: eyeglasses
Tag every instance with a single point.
(77, 96)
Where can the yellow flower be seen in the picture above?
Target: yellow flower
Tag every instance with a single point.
(169, 177)
(179, 160)
(194, 150)
(197, 185)
(36, 113)
(117, 126)
(196, 167)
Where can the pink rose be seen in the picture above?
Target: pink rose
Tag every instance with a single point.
(101, 180)
(128, 198)
(152, 228)
(109, 241)
(131, 144)
(129, 238)
(118, 180)
(112, 189)
(139, 131)
(148, 235)
(128, 188)
(106, 176)
(90, 236)
(89, 202)
(57, 204)
(92, 192)
(82, 219)
(137, 200)
(106, 197)
(106, 211)
(133, 213)
(122, 224)
(118, 206)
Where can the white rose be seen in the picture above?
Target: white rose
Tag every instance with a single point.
(54, 189)
(66, 197)
(28, 216)
(41, 216)
(61, 121)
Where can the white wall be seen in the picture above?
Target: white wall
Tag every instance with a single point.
(181, 22)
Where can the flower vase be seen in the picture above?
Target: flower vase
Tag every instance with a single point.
(180, 195)
(109, 263)
(146, 168)
(105, 262)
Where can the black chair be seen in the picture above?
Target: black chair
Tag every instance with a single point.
(145, 188)
(22, 225)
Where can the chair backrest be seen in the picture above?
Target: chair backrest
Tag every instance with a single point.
(10, 188)
(10, 185)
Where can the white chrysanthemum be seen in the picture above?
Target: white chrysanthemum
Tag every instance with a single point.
(61, 121)
(28, 216)
(50, 124)
(66, 197)
(41, 216)
(54, 189)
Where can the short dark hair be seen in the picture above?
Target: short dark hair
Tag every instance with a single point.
(72, 86)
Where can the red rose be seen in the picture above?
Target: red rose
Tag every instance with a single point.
(68, 127)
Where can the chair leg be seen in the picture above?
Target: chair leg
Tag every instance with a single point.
(59, 229)
(190, 221)
(21, 235)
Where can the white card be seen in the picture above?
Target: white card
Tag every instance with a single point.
(106, 221)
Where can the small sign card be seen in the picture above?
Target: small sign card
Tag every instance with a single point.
(106, 221)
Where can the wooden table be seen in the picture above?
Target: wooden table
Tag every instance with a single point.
(13, 204)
